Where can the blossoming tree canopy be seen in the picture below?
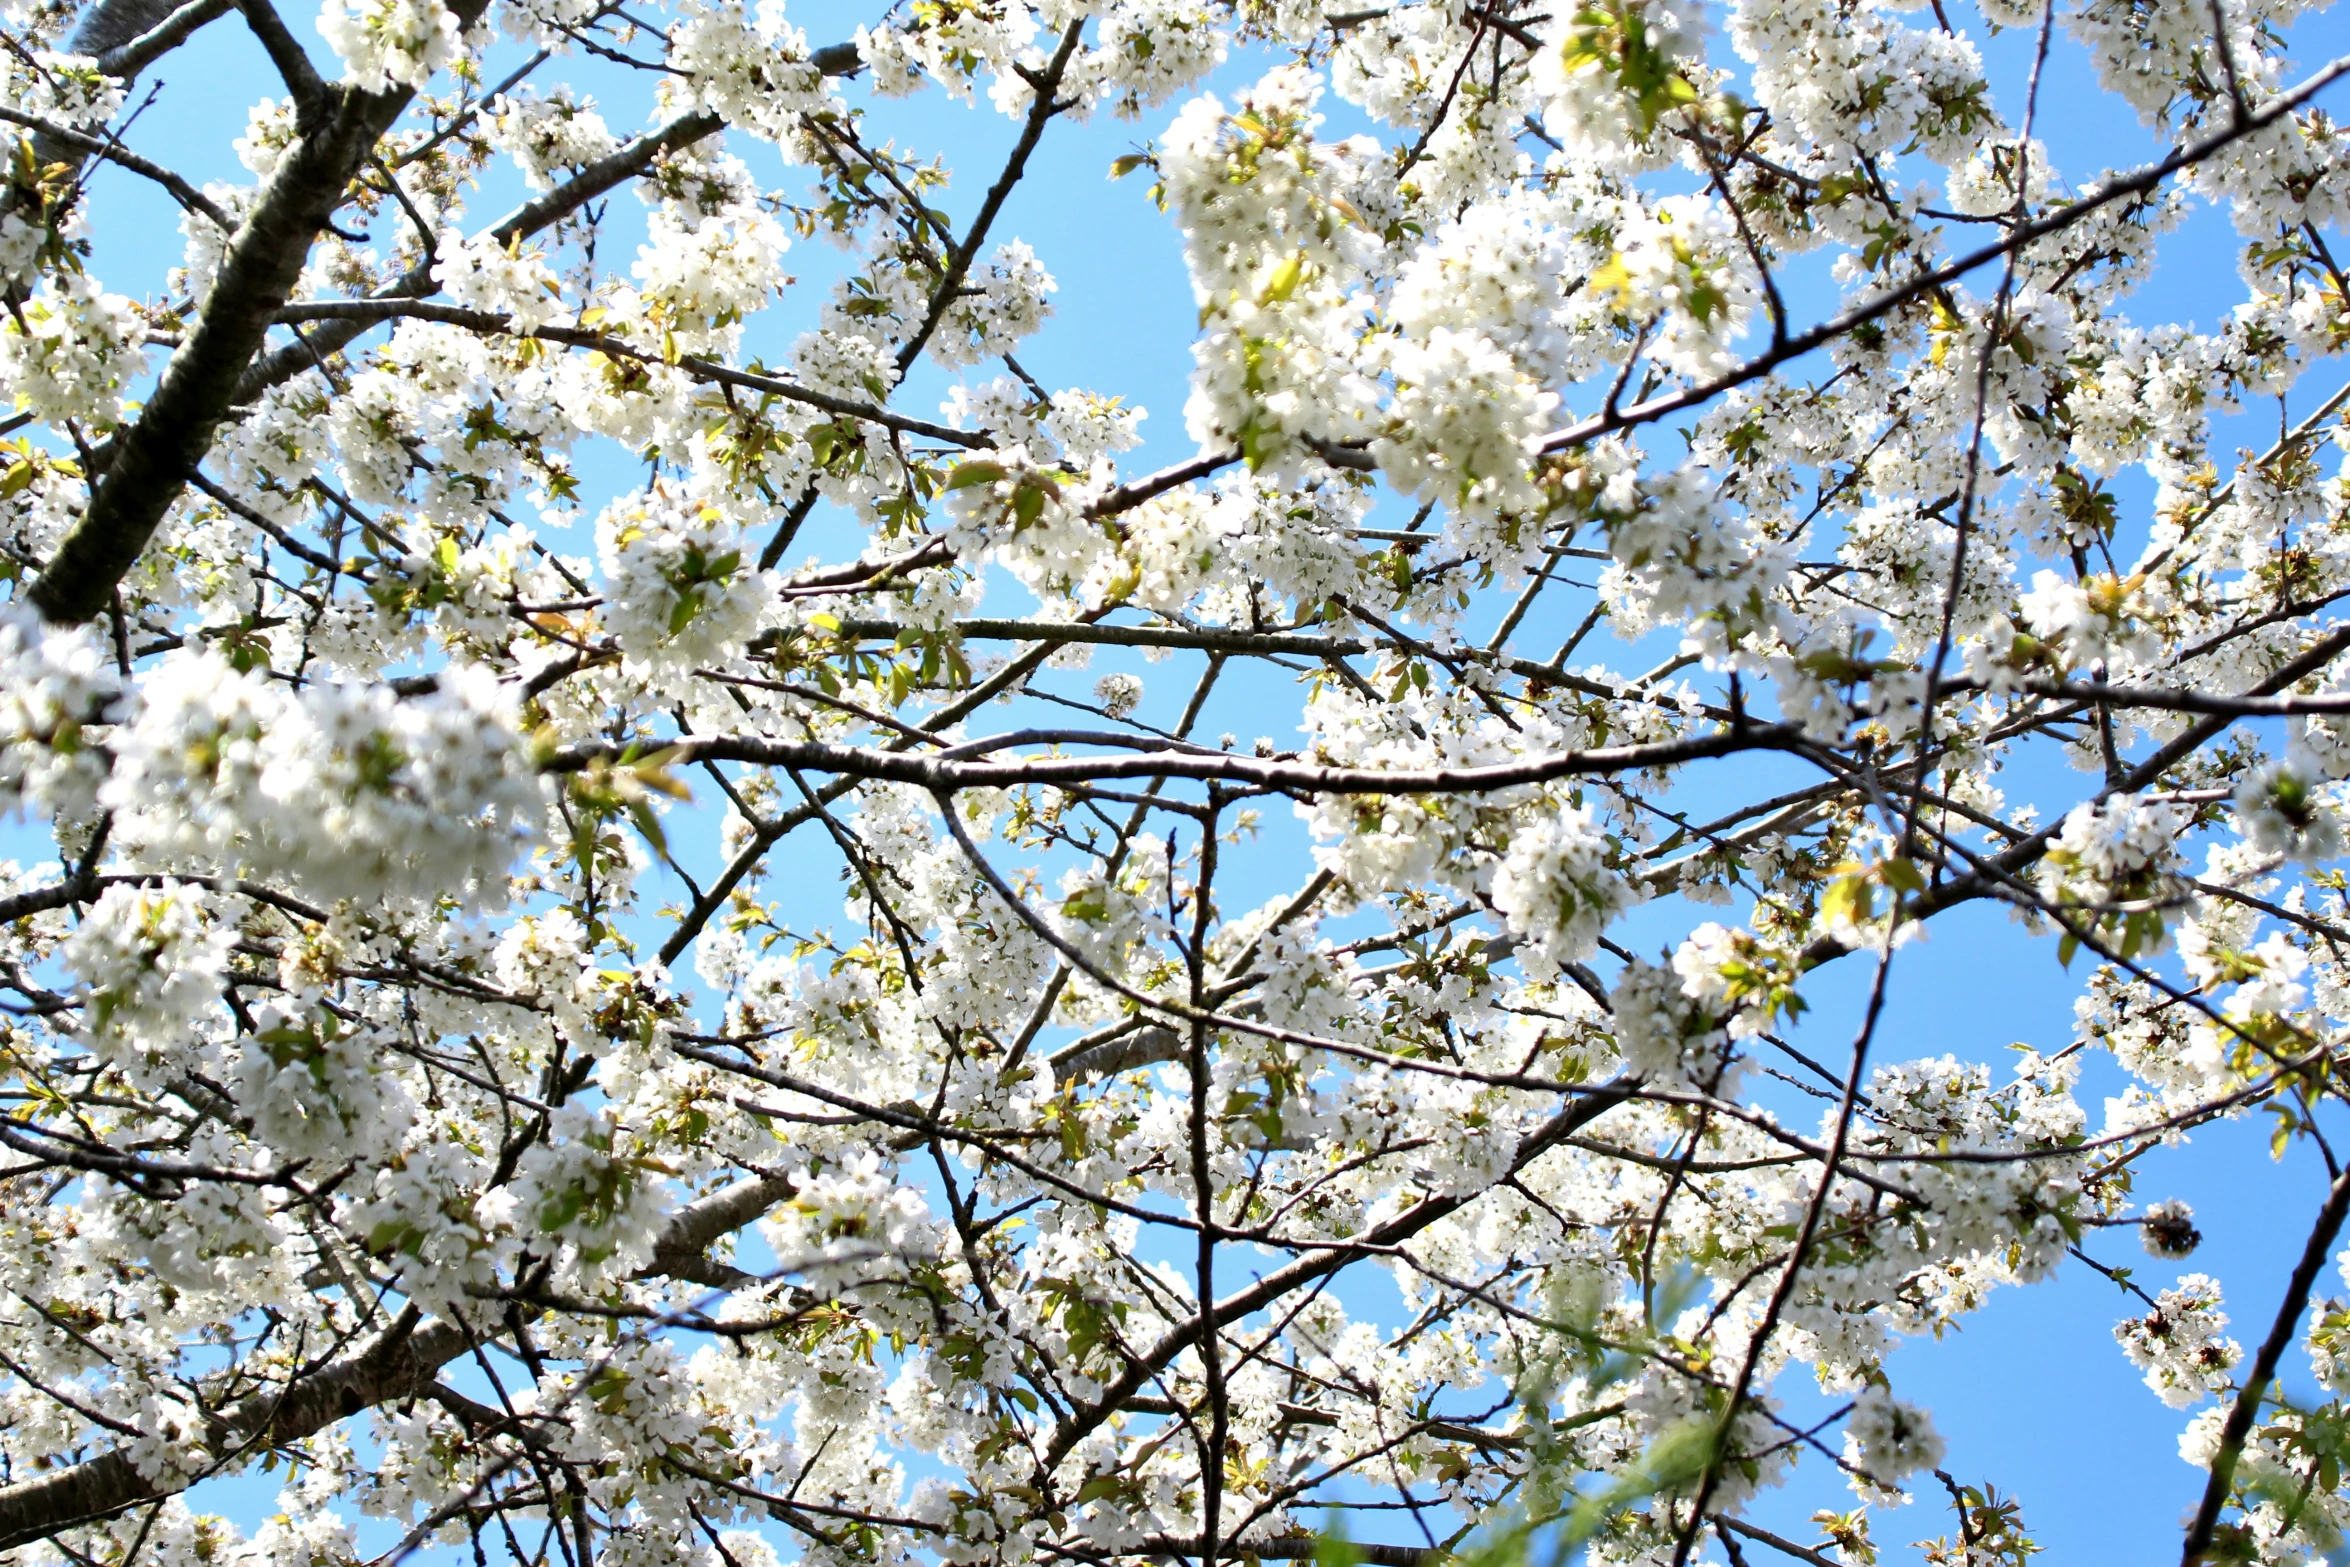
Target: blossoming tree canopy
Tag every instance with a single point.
(673, 1020)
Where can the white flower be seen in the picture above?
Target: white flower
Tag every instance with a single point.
(850, 1221)
(591, 1192)
(2178, 1343)
(1119, 694)
(1680, 264)
(350, 791)
(750, 66)
(546, 134)
(389, 43)
(53, 682)
(2099, 618)
(319, 1088)
(1603, 75)
(1475, 416)
(1003, 302)
(2283, 807)
(1556, 887)
(1667, 1036)
(2114, 859)
(699, 280)
(153, 959)
(429, 1214)
(1986, 185)
(1271, 255)
(1889, 1440)
(680, 592)
(1090, 426)
(503, 279)
(69, 351)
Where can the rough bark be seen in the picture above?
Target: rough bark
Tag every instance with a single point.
(125, 37)
(221, 365)
(288, 360)
(394, 1366)
(153, 456)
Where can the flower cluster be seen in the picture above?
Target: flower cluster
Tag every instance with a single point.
(153, 959)
(2178, 1343)
(350, 791)
(690, 914)
(681, 593)
(390, 43)
(69, 352)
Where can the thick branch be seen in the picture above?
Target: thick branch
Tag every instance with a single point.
(397, 1364)
(154, 456)
(2264, 1370)
(136, 52)
(950, 772)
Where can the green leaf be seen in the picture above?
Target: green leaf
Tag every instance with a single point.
(1027, 505)
(647, 822)
(977, 471)
(1848, 898)
(1336, 1550)
(1285, 279)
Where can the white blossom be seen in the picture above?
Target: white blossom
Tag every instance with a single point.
(70, 351)
(353, 791)
(388, 43)
(663, 884)
(2178, 1343)
(153, 959)
(1888, 1439)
